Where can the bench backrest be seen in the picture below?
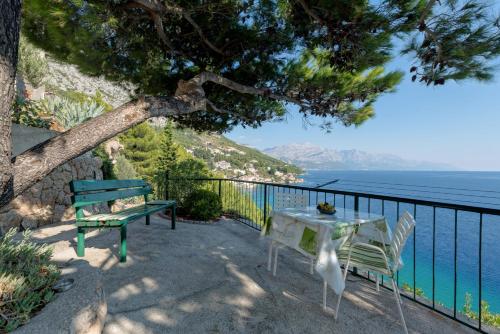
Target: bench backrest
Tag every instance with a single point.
(88, 192)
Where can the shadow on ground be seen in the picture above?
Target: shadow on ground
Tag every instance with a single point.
(213, 279)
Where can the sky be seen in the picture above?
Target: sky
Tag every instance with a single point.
(457, 124)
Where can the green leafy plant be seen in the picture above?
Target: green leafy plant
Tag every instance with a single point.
(107, 165)
(418, 291)
(26, 112)
(26, 279)
(123, 169)
(487, 317)
(203, 204)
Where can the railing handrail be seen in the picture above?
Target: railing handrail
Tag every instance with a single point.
(415, 201)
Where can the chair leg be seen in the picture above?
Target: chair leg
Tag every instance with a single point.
(325, 287)
(123, 243)
(148, 220)
(80, 248)
(270, 256)
(345, 276)
(275, 260)
(311, 268)
(395, 290)
(399, 295)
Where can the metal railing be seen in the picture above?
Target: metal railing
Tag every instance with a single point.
(438, 277)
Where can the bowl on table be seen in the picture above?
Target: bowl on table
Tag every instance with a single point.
(326, 209)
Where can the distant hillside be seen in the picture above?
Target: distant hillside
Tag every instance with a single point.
(314, 157)
(234, 160)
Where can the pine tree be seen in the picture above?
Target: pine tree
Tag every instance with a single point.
(168, 150)
(142, 148)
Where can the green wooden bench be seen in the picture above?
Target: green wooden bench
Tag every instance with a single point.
(90, 192)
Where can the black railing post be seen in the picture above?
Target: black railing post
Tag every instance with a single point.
(166, 185)
(356, 209)
(220, 188)
(265, 205)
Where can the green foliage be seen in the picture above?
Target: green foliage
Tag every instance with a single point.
(142, 147)
(203, 204)
(107, 165)
(168, 150)
(32, 64)
(182, 174)
(123, 169)
(487, 317)
(26, 279)
(82, 98)
(27, 112)
(418, 292)
(69, 113)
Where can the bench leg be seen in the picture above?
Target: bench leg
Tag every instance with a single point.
(148, 220)
(173, 218)
(80, 248)
(123, 243)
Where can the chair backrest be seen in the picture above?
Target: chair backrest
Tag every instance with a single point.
(290, 200)
(89, 192)
(401, 233)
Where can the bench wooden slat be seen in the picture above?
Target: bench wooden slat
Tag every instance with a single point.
(93, 198)
(128, 214)
(92, 185)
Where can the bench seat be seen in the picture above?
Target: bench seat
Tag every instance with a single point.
(120, 217)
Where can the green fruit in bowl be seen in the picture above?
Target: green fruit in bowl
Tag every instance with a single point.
(325, 207)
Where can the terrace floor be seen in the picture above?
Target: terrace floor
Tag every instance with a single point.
(213, 279)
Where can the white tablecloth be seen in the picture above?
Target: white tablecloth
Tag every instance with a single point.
(320, 235)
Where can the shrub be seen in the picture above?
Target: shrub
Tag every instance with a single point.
(107, 165)
(32, 65)
(123, 169)
(203, 204)
(26, 279)
(28, 113)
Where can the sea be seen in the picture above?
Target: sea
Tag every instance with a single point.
(434, 257)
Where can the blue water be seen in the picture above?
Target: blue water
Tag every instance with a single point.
(467, 188)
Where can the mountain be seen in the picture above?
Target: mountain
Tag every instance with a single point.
(310, 156)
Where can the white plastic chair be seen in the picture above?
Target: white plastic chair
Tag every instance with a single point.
(381, 260)
(282, 201)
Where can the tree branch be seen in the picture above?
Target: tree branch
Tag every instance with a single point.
(310, 12)
(226, 112)
(157, 8)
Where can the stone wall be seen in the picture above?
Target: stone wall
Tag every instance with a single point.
(49, 201)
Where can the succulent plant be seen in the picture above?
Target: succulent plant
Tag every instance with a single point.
(70, 113)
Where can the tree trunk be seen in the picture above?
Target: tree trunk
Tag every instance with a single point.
(32, 165)
(10, 22)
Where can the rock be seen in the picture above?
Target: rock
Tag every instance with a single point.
(60, 197)
(9, 219)
(29, 223)
(58, 213)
